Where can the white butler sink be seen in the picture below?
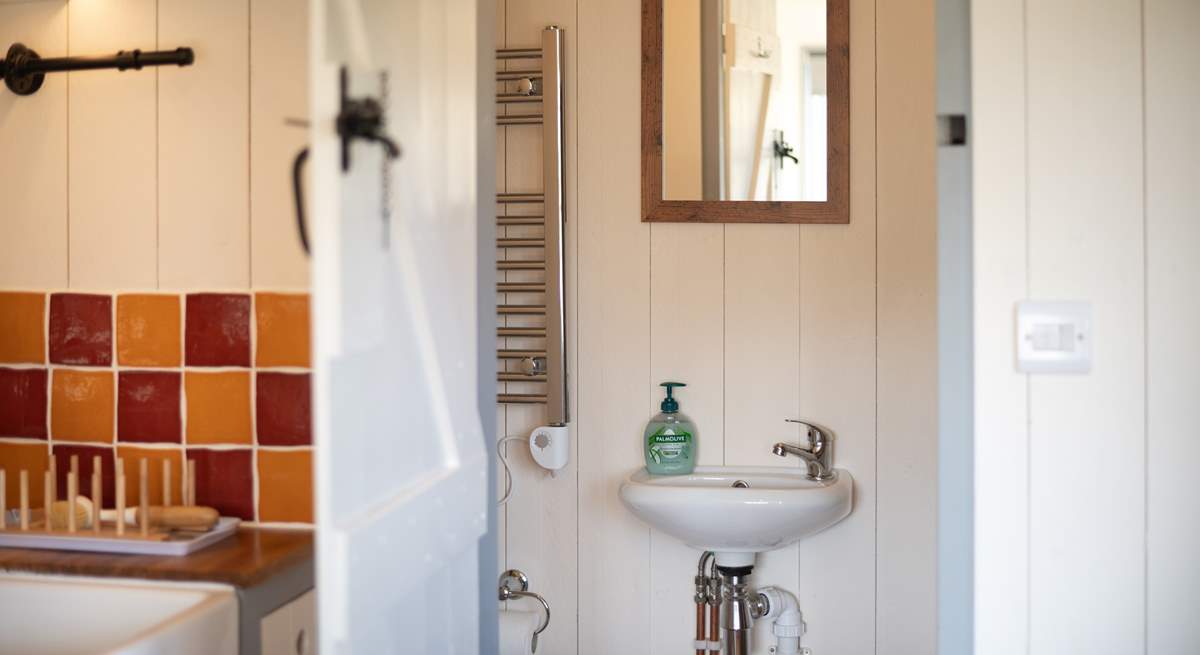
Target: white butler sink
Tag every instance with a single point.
(737, 511)
(59, 615)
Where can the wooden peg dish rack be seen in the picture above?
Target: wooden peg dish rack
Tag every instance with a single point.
(35, 528)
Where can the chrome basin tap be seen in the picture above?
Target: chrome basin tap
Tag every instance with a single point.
(817, 455)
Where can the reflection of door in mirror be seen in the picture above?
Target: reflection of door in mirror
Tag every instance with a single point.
(744, 100)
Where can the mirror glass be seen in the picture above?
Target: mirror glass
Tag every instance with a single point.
(745, 113)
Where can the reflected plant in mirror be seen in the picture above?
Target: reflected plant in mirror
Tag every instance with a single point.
(745, 111)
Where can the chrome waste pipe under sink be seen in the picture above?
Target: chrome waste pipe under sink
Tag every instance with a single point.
(738, 610)
(741, 606)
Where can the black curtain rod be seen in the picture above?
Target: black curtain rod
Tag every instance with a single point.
(24, 71)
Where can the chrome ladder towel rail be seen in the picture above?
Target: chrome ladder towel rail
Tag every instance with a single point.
(544, 366)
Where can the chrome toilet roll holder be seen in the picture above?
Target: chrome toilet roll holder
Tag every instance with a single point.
(515, 584)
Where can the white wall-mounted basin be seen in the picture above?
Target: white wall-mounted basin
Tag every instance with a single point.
(737, 511)
(57, 615)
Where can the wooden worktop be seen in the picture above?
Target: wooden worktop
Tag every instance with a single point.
(244, 560)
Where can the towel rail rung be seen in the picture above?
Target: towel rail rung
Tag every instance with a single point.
(520, 287)
(510, 265)
(519, 53)
(519, 377)
(520, 310)
(521, 332)
(508, 353)
(516, 98)
(521, 398)
(520, 242)
(520, 220)
(509, 76)
(519, 120)
(519, 198)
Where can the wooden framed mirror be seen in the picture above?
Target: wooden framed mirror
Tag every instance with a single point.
(746, 111)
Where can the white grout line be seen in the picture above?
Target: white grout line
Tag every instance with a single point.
(28, 441)
(183, 441)
(112, 353)
(83, 368)
(254, 477)
(153, 445)
(152, 369)
(49, 376)
(145, 291)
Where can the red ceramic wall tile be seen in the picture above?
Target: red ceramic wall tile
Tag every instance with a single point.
(225, 480)
(148, 406)
(282, 404)
(62, 461)
(81, 329)
(218, 329)
(23, 402)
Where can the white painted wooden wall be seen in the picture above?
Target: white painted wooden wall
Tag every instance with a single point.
(171, 178)
(833, 323)
(1085, 188)
(764, 322)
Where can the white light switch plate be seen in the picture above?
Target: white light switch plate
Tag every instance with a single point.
(1054, 337)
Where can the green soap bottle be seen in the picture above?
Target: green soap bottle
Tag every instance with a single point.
(670, 438)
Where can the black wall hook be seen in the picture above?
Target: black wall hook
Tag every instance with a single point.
(24, 71)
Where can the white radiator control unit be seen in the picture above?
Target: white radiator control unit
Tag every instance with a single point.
(550, 446)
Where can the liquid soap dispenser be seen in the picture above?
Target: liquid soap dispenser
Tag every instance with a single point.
(670, 438)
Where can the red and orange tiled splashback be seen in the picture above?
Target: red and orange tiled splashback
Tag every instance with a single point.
(221, 378)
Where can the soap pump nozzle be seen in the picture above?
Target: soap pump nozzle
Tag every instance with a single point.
(669, 404)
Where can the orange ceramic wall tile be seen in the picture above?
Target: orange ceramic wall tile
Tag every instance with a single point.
(33, 458)
(81, 405)
(22, 328)
(218, 407)
(283, 332)
(285, 486)
(154, 458)
(148, 330)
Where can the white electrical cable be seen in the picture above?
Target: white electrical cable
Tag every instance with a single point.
(508, 479)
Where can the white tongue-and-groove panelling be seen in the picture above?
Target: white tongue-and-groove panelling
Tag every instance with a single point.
(836, 324)
(165, 178)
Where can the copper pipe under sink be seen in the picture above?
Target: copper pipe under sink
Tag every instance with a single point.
(714, 626)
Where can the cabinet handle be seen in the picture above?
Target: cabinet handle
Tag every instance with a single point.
(301, 642)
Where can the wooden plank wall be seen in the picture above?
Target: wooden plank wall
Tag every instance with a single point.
(169, 178)
(539, 521)
(764, 322)
(34, 252)
(1084, 184)
(1172, 89)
